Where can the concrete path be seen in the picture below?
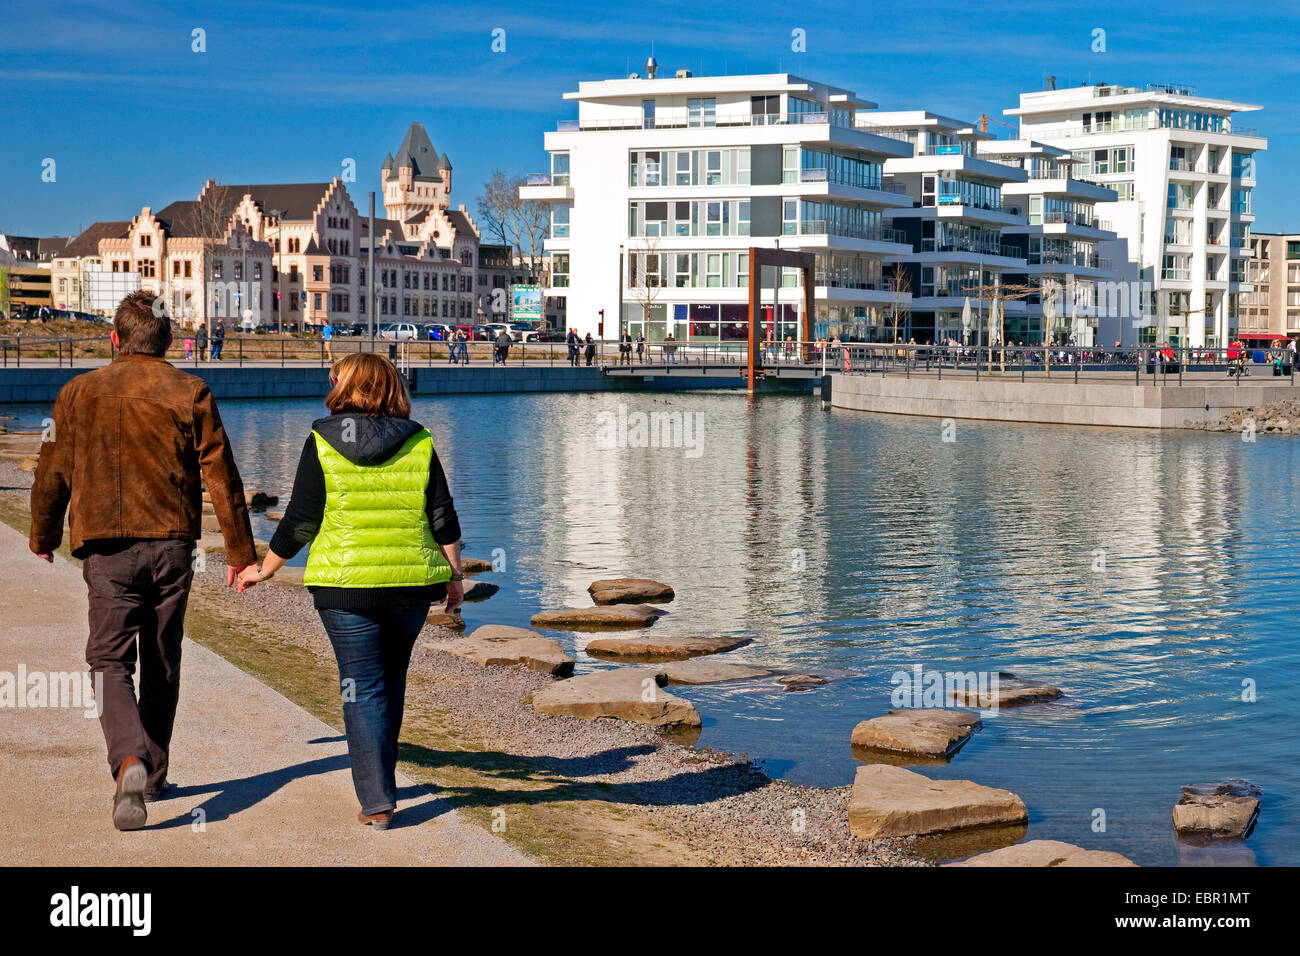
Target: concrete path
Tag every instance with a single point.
(269, 782)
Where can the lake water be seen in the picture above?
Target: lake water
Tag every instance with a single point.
(1152, 577)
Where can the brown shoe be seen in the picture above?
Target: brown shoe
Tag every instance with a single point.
(379, 821)
(128, 801)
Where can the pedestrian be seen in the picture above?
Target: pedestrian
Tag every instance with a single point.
(462, 337)
(572, 340)
(201, 341)
(189, 348)
(640, 348)
(132, 443)
(591, 349)
(625, 348)
(326, 337)
(218, 339)
(371, 499)
(670, 350)
(502, 347)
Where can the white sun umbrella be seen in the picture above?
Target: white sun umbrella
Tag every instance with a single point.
(965, 321)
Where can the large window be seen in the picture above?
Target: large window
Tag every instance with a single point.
(701, 111)
(818, 166)
(689, 167)
(560, 270)
(559, 169)
(560, 221)
(1181, 195)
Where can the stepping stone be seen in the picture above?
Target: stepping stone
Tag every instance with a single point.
(481, 591)
(1011, 691)
(496, 645)
(1218, 810)
(629, 591)
(440, 618)
(801, 681)
(930, 733)
(705, 670)
(474, 565)
(645, 647)
(893, 802)
(625, 693)
(259, 500)
(1046, 853)
(618, 615)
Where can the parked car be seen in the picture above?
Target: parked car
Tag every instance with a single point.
(523, 332)
(439, 332)
(401, 332)
(483, 333)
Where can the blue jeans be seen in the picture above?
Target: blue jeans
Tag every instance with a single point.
(373, 649)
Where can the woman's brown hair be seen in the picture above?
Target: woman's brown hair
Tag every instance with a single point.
(368, 384)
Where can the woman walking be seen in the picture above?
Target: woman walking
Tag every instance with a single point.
(371, 499)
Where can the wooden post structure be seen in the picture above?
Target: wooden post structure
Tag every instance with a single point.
(806, 262)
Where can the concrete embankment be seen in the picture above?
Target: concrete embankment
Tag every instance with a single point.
(41, 384)
(1060, 401)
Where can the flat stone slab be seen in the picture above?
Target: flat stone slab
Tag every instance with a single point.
(440, 618)
(480, 591)
(474, 565)
(665, 648)
(930, 733)
(629, 591)
(495, 645)
(625, 693)
(893, 802)
(1218, 810)
(1012, 691)
(1046, 853)
(800, 681)
(578, 618)
(705, 670)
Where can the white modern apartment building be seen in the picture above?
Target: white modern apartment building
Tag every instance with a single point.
(1183, 171)
(952, 224)
(1058, 243)
(662, 184)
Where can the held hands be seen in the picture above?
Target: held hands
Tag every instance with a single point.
(244, 578)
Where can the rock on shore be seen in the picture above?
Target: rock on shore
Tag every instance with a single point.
(495, 645)
(617, 615)
(1277, 418)
(930, 733)
(440, 618)
(890, 801)
(474, 565)
(667, 648)
(1218, 810)
(1012, 691)
(1046, 853)
(629, 591)
(625, 693)
(480, 591)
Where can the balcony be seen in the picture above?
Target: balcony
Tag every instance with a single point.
(684, 119)
(1070, 218)
(1177, 275)
(1181, 165)
(973, 248)
(1077, 259)
(820, 227)
(822, 175)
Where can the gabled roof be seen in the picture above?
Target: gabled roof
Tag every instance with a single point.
(87, 244)
(460, 221)
(298, 201)
(417, 152)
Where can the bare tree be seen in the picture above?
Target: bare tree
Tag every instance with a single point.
(532, 222)
(210, 224)
(498, 205)
(647, 283)
(902, 286)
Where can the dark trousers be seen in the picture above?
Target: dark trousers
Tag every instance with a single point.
(373, 649)
(138, 591)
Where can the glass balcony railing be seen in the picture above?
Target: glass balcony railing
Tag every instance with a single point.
(821, 227)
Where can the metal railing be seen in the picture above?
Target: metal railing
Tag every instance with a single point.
(1166, 365)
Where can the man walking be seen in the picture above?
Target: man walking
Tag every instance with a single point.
(201, 341)
(502, 347)
(218, 340)
(129, 443)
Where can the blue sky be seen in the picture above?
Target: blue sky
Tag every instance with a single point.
(286, 91)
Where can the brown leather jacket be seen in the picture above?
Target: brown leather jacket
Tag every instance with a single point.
(129, 442)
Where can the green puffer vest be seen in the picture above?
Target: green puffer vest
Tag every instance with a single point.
(375, 533)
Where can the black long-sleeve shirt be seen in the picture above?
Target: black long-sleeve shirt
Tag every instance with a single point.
(306, 509)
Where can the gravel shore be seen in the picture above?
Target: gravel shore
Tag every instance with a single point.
(723, 808)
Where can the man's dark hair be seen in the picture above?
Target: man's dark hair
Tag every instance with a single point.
(140, 327)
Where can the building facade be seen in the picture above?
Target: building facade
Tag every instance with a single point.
(661, 185)
(1183, 172)
(1272, 309)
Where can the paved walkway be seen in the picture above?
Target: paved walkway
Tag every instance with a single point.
(271, 781)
